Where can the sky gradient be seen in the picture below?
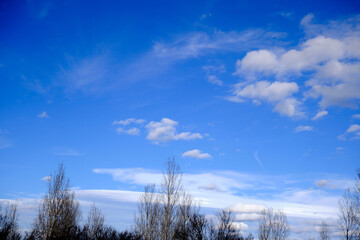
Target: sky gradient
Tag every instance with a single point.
(256, 100)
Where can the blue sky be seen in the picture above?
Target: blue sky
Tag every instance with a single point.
(257, 101)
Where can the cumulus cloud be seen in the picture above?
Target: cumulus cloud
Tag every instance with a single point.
(277, 93)
(132, 131)
(165, 130)
(196, 153)
(129, 121)
(43, 115)
(320, 115)
(302, 128)
(329, 62)
(264, 90)
(289, 107)
(257, 61)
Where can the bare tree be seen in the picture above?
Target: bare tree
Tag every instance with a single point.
(95, 222)
(265, 224)
(199, 227)
(171, 189)
(226, 228)
(147, 222)
(347, 218)
(165, 213)
(324, 231)
(357, 201)
(185, 210)
(8, 223)
(59, 212)
(273, 225)
(280, 226)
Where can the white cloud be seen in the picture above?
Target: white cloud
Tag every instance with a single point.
(199, 43)
(321, 183)
(165, 130)
(353, 128)
(64, 151)
(319, 115)
(247, 208)
(196, 153)
(214, 80)
(302, 128)
(311, 53)
(129, 121)
(47, 178)
(212, 72)
(329, 62)
(132, 131)
(289, 107)
(237, 193)
(247, 217)
(257, 61)
(240, 226)
(227, 188)
(277, 93)
(356, 116)
(43, 115)
(258, 159)
(267, 91)
(90, 75)
(211, 187)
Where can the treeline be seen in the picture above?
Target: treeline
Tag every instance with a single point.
(165, 212)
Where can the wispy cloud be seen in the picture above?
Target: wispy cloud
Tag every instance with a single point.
(129, 121)
(132, 131)
(321, 183)
(92, 74)
(196, 153)
(258, 159)
(353, 131)
(302, 128)
(199, 43)
(226, 188)
(212, 72)
(43, 115)
(319, 115)
(353, 128)
(356, 116)
(64, 151)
